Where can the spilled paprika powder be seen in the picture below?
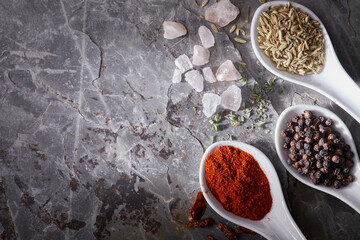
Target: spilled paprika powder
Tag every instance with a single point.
(235, 178)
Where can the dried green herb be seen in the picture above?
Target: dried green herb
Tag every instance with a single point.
(215, 127)
(217, 118)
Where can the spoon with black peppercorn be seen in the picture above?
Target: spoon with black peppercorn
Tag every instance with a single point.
(350, 194)
(277, 223)
(332, 81)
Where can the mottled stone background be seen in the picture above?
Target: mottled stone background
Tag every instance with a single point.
(96, 142)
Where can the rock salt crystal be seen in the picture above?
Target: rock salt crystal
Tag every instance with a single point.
(206, 37)
(183, 63)
(201, 55)
(221, 13)
(231, 98)
(209, 75)
(195, 79)
(227, 72)
(177, 76)
(210, 103)
(173, 30)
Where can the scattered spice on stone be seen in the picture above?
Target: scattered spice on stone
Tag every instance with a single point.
(229, 234)
(236, 180)
(206, 222)
(209, 237)
(317, 150)
(198, 208)
(291, 39)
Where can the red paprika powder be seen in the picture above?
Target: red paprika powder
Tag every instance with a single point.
(235, 178)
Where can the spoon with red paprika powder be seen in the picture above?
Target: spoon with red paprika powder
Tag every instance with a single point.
(240, 183)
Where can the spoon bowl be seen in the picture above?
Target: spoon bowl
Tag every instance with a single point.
(332, 81)
(349, 194)
(278, 223)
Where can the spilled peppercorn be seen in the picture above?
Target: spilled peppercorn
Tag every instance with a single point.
(317, 150)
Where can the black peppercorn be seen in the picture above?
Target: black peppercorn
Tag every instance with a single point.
(300, 144)
(300, 122)
(307, 114)
(345, 182)
(317, 135)
(328, 122)
(338, 151)
(315, 180)
(295, 119)
(349, 154)
(316, 148)
(337, 184)
(296, 137)
(327, 164)
(309, 134)
(319, 164)
(336, 171)
(327, 182)
(346, 170)
(323, 153)
(340, 176)
(308, 121)
(331, 136)
(349, 163)
(350, 178)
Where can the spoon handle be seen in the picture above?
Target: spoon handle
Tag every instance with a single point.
(341, 88)
(284, 227)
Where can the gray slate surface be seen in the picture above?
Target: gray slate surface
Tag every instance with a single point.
(95, 140)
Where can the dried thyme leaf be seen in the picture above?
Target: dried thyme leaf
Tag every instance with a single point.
(241, 63)
(230, 138)
(217, 118)
(237, 31)
(240, 40)
(214, 28)
(196, 3)
(268, 85)
(202, 16)
(260, 124)
(215, 127)
(243, 79)
(232, 29)
(211, 139)
(205, 2)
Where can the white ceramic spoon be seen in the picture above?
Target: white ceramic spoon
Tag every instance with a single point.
(332, 81)
(349, 194)
(278, 223)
